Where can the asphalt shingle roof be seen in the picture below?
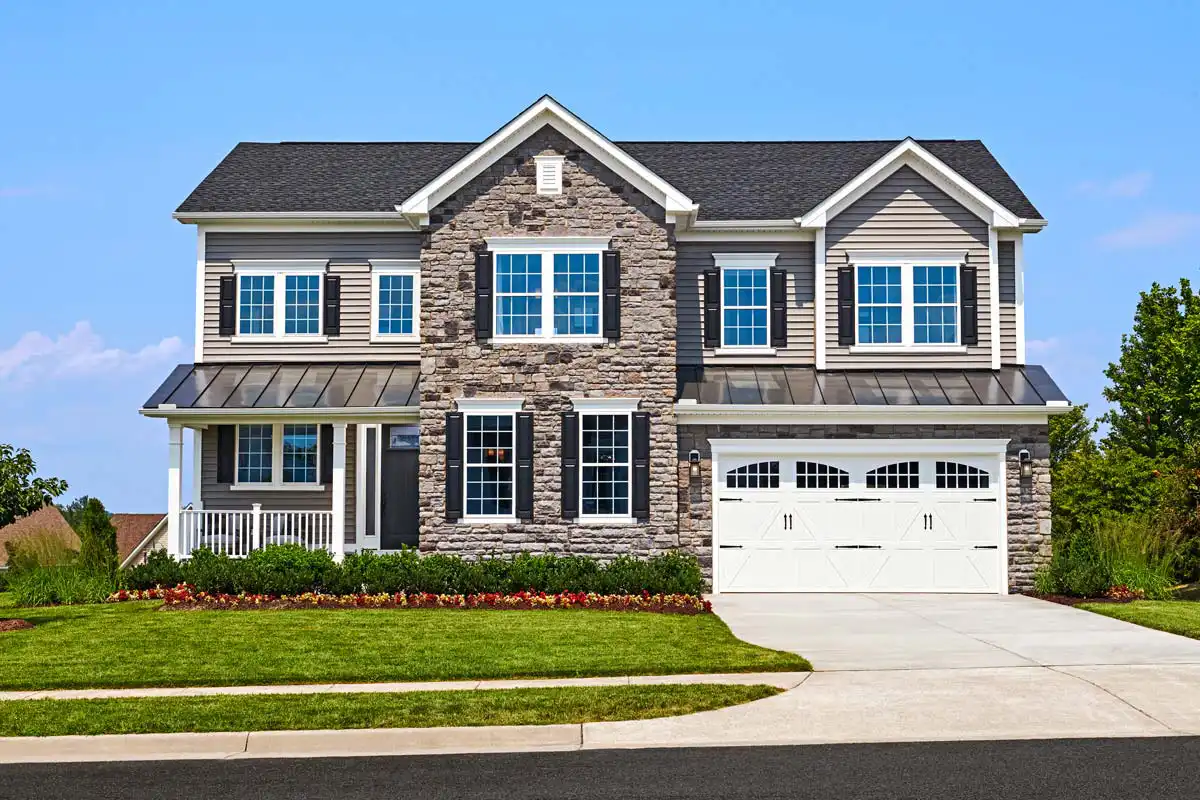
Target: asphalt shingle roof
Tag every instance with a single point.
(730, 180)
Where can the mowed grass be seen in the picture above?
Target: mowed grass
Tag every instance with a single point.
(366, 710)
(135, 644)
(1173, 616)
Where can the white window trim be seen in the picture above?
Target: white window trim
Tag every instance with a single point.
(608, 411)
(725, 261)
(279, 270)
(276, 484)
(542, 164)
(906, 261)
(547, 247)
(381, 267)
(488, 407)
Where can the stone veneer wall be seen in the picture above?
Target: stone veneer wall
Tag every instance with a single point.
(1028, 501)
(503, 201)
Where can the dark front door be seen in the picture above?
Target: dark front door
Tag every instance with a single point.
(400, 521)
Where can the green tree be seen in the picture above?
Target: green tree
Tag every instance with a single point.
(21, 493)
(1155, 384)
(97, 540)
(73, 511)
(1070, 434)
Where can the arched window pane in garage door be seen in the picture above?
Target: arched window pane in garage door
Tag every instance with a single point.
(814, 475)
(760, 475)
(952, 475)
(901, 475)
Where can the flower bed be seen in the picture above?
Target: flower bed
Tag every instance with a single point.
(184, 597)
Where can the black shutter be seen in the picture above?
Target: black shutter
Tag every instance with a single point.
(712, 308)
(325, 453)
(845, 306)
(483, 295)
(333, 305)
(225, 453)
(612, 294)
(641, 465)
(524, 465)
(969, 292)
(226, 315)
(779, 306)
(454, 466)
(570, 465)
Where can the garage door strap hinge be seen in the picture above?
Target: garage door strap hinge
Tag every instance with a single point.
(857, 499)
(987, 547)
(731, 499)
(985, 499)
(730, 547)
(858, 547)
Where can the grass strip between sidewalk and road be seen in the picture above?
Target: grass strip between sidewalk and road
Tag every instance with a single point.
(1173, 616)
(135, 645)
(365, 710)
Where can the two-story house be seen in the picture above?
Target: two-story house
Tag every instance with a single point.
(803, 362)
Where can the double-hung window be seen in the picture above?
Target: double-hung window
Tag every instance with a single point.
(605, 458)
(279, 299)
(278, 456)
(395, 300)
(907, 301)
(745, 300)
(548, 288)
(490, 437)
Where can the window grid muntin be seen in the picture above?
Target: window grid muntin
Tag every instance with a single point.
(489, 457)
(605, 453)
(576, 294)
(256, 305)
(396, 305)
(302, 304)
(300, 448)
(519, 294)
(935, 304)
(759, 475)
(900, 475)
(815, 475)
(953, 475)
(744, 306)
(880, 291)
(255, 453)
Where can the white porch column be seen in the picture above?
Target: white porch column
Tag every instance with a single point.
(197, 467)
(339, 490)
(174, 486)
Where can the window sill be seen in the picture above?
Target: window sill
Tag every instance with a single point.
(314, 338)
(744, 351)
(276, 487)
(394, 338)
(487, 521)
(548, 340)
(601, 521)
(913, 349)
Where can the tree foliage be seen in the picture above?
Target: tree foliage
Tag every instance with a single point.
(1155, 384)
(97, 540)
(20, 492)
(73, 511)
(1071, 434)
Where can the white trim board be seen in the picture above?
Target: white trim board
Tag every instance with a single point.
(729, 414)
(728, 447)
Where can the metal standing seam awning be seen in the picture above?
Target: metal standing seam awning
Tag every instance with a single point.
(286, 389)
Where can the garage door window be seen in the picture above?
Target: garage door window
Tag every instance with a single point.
(952, 475)
(814, 475)
(763, 475)
(901, 475)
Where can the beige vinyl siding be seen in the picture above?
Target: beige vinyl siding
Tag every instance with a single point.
(693, 258)
(1007, 260)
(906, 211)
(347, 254)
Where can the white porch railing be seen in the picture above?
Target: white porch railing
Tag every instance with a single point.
(238, 532)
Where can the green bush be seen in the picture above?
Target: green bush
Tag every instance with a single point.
(3, 580)
(160, 569)
(285, 569)
(45, 586)
(1130, 550)
(211, 572)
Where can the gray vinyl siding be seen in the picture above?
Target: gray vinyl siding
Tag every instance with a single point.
(1007, 262)
(219, 497)
(905, 211)
(693, 258)
(347, 254)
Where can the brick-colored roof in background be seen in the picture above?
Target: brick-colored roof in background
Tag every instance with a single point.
(131, 530)
(46, 520)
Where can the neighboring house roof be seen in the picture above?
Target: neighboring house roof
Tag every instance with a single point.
(132, 531)
(47, 520)
(729, 180)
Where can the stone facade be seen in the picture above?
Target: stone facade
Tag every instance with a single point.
(1028, 499)
(502, 201)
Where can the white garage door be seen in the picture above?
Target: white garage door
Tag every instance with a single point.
(863, 522)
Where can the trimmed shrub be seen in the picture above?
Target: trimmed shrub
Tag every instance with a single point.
(286, 569)
(160, 569)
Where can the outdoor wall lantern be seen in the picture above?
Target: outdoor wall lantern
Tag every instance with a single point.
(1026, 462)
(694, 464)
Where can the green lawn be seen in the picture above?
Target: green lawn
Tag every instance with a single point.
(366, 710)
(1172, 616)
(134, 644)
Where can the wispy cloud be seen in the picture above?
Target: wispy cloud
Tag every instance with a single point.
(1133, 184)
(78, 353)
(1040, 347)
(1154, 229)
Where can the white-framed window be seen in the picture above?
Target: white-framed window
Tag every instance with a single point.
(490, 464)
(279, 299)
(745, 300)
(605, 458)
(548, 288)
(277, 456)
(907, 300)
(395, 300)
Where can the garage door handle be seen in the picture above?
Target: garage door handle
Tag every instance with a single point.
(858, 547)
(987, 547)
(730, 547)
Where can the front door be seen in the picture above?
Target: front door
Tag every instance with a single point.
(398, 506)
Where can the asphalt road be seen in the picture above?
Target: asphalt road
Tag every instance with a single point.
(1164, 769)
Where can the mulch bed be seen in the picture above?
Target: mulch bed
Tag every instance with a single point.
(14, 625)
(1064, 600)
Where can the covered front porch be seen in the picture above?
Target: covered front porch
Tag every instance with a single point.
(319, 455)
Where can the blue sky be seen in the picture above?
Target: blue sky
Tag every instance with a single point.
(114, 111)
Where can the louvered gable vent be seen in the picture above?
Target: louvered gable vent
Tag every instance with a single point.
(549, 174)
